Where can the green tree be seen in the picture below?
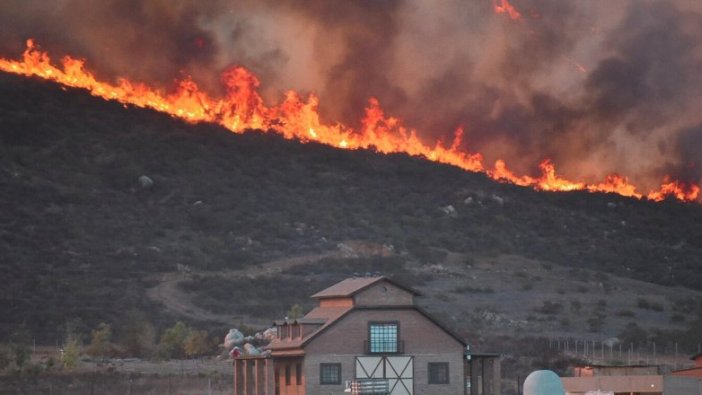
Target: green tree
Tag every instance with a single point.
(19, 348)
(172, 341)
(71, 353)
(295, 312)
(137, 335)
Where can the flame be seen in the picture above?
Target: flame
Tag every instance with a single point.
(242, 108)
(504, 7)
(676, 189)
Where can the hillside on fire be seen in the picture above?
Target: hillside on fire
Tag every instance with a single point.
(107, 208)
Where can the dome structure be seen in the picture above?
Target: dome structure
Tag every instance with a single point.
(543, 382)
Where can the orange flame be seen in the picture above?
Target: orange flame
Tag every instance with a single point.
(242, 108)
(504, 7)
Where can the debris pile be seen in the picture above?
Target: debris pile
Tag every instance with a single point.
(237, 345)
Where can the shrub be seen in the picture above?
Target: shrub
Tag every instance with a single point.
(549, 307)
(470, 289)
(643, 303)
(626, 313)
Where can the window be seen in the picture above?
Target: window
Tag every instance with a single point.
(330, 373)
(287, 374)
(383, 337)
(298, 374)
(438, 373)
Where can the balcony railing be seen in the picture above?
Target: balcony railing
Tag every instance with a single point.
(384, 347)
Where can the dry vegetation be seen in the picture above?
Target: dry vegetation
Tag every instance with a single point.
(82, 237)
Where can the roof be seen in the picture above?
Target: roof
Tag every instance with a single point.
(354, 285)
(694, 357)
(324, 315)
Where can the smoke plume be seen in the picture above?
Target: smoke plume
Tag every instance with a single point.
(597, 86)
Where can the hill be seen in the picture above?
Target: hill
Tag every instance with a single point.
(108, 209)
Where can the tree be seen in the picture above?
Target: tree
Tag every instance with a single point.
(295, 312)
(71, 353)
(137, 335)
(197, 343)
(100, 341)
(19, 348)
(172, 340)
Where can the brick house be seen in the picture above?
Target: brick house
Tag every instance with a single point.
(366, 336)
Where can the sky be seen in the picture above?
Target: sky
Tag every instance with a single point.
(598, 86)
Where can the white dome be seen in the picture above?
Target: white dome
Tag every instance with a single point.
(543, 382)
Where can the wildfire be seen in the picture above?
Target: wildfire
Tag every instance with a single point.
(504, 7)
(242, 108)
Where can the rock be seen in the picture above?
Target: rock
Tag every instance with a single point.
(449, 210)
(145, 182)
(498, 199)
(468, 201)
(612, 205)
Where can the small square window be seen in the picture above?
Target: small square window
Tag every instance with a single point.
(330, 373)
(438, 373)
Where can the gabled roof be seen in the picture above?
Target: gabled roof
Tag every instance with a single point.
(354, 285)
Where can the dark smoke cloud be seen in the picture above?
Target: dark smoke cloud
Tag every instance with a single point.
(598, 86)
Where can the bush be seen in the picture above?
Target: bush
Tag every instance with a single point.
(550, 308)
(643, 303)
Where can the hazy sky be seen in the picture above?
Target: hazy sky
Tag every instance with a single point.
(599, 86)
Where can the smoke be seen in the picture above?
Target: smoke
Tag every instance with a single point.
(597, 86)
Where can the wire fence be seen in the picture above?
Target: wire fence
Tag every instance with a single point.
(669, 356)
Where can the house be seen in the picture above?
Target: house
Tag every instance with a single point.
(366, 336)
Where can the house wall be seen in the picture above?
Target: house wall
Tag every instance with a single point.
(423, 340)
(383, 293)
(682, 385)
(295, 387)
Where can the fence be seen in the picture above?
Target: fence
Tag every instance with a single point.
(670, 355)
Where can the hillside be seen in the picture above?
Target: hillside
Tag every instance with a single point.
(108, 209)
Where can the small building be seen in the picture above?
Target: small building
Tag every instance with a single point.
(695, 371)
(367, 336)
(629, 379)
